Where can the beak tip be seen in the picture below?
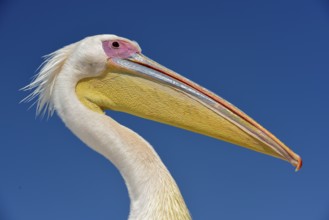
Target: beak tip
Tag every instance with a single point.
(299, 163)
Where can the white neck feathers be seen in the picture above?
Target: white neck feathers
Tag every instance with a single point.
(153, 192)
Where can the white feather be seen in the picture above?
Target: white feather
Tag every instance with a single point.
(43, 82)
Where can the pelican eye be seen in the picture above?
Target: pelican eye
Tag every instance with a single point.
(115, 44)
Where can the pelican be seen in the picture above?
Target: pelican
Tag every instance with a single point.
(108, 72)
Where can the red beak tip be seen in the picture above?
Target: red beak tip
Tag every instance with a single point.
(299, 163)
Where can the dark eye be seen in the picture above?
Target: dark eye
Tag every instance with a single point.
(115, 44)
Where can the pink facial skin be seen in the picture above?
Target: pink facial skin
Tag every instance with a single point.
(119, 49)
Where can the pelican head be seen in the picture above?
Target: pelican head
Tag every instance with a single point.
(112, 73)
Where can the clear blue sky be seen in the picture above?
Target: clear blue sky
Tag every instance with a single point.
(269, 58)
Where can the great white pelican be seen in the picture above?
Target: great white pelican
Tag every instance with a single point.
(82, 80)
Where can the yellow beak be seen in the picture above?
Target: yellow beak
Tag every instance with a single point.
(144, 88)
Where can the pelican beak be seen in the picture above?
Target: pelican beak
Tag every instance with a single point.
(142, 87)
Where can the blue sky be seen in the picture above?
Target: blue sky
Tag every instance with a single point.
(269, 58)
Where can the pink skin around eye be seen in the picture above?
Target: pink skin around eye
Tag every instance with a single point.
(120, 49)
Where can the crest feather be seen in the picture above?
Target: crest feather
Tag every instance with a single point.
(43, 82)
